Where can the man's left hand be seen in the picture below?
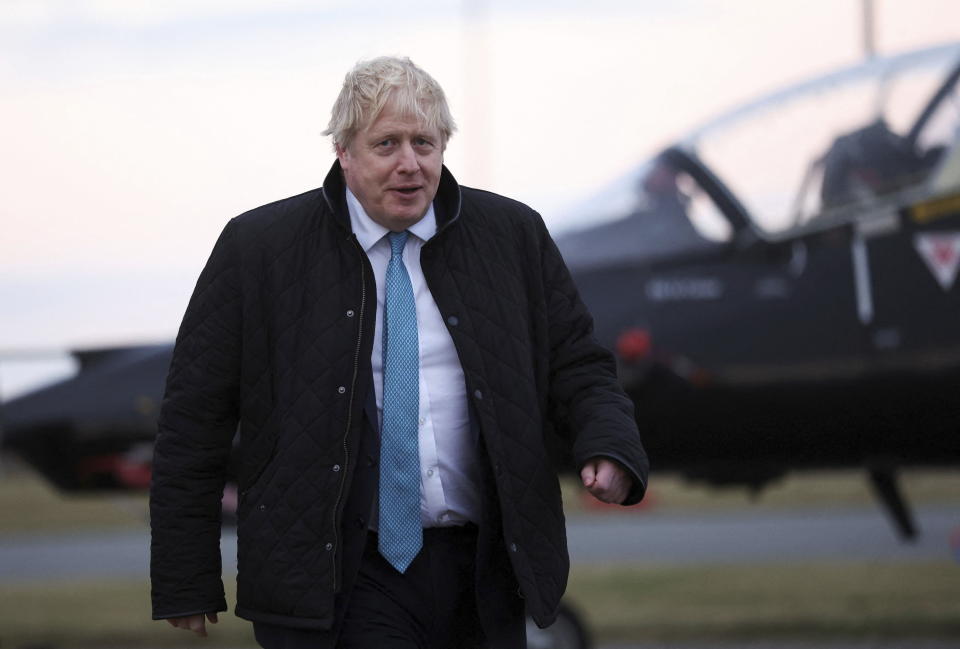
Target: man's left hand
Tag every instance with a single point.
(606, 480)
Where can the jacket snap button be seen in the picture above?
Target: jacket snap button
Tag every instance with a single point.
(453, 321)
(262, 508)
(341, 389)
(478, 394)
(513, 547)
(349, 313)
(336, 468)
(371, 461)
(329, 546)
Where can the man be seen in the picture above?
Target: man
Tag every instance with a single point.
(399, 351)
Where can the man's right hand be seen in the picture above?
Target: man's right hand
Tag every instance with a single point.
(193, 623)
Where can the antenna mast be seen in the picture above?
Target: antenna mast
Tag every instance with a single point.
(869, 41)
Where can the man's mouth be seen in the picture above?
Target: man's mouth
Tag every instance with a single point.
(407, 191)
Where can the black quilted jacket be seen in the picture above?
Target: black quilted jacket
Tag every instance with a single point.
(277, 337)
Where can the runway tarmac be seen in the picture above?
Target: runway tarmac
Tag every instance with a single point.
(647, 537)
(860, 533)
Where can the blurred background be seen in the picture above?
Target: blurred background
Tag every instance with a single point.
(132, 131)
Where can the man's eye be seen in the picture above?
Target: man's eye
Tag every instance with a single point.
(420, 141)
(384, 143)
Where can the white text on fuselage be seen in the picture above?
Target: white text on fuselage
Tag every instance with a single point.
(684, 288)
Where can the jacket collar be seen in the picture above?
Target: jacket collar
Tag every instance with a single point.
(446, 203)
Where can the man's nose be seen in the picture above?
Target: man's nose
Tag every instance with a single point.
(407, 160)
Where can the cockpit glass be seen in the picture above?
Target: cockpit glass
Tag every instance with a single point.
(704, 214)
(943, 128)
(832, 145)
(657, 211)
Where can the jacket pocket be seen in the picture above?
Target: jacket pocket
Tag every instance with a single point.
(254, 463)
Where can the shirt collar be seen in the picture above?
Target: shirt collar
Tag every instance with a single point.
(369, 232)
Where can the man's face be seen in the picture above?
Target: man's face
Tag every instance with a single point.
(393, 168)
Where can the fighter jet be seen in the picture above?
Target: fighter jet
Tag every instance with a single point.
(95, 430)
(779, 289)
(780, 286)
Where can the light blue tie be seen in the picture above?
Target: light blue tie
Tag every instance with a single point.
(401, 536)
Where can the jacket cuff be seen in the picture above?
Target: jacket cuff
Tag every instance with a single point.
(219, 608)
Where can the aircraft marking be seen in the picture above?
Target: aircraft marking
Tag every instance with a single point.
(771, 288)
(861, 279)
(934, 209)
(941, 252)
(684, 288)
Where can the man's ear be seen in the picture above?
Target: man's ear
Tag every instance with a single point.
(342, 154)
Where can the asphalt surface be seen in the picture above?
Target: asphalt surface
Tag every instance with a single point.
(648, 537)
(860, 533)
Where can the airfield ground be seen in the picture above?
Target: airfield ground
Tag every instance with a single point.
(811, 603)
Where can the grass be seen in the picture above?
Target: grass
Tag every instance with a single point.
(621, 603)
(30, 504)
(101, 615)
(799, 601)
(813, 489)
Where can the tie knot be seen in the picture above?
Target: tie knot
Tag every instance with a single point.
(397, 241)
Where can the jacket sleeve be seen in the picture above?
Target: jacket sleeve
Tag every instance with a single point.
(598, 416)
(198, 419)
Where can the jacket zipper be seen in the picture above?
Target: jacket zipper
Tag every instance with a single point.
(346, 434)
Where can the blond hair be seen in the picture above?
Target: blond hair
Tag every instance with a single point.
(370, 85)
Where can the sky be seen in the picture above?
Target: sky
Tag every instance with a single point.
(130, 132)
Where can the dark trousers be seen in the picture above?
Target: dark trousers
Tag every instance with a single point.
(431, 606)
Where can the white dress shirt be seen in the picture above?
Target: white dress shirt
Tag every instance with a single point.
(449, 476)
